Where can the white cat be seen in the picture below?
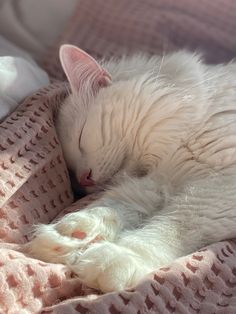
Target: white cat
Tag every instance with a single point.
(158, 134)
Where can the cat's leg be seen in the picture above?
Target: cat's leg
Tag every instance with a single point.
(122, 207)
(203, 213)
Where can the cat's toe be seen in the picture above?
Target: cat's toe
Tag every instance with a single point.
(72, 235)
(109, 267)
(48, 245)
(78, 225)
(89, 225)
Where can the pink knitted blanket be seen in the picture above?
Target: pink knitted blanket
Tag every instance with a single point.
(34, 183)
(34, 187)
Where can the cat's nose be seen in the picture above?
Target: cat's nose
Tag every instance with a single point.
(86, 178)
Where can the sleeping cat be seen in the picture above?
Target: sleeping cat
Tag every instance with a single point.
(158, 136)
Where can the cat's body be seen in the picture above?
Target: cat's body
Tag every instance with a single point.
(164, 130)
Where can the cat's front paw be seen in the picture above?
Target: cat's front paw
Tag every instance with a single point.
(73, 234)
(109, 267)
(90, 224)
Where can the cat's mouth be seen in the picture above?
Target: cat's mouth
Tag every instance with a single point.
(86, 179)
(85, 184)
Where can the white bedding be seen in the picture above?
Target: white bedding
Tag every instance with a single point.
(20, 76)
(34, 25)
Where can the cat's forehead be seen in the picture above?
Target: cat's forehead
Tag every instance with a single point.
(116, 96)
(121, 90)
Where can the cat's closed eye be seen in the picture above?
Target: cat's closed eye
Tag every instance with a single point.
(142, 172)
(139, 171)
(80, 139)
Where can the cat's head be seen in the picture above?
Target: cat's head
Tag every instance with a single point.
(93, 148)
(128, 121)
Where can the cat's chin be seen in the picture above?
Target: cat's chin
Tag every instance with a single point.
(93, 189)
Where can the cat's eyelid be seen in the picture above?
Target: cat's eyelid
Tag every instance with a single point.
(80, 136)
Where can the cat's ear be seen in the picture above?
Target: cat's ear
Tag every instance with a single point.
(82, 70)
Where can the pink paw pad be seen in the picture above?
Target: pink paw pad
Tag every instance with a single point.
(79, 234)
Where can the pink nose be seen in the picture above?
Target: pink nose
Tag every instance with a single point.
(86, 178)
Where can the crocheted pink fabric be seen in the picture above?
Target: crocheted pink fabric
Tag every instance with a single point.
(35, 188)
(34, 183)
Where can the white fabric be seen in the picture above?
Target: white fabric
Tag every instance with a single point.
(19, 77)
(34, 25)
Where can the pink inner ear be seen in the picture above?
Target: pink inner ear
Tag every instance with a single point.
(81, 68)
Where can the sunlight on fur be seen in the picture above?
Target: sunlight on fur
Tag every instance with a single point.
(158, 136)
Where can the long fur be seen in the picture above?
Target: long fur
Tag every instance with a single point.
(161, 142)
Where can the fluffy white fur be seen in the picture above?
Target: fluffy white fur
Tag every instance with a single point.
(161, 142)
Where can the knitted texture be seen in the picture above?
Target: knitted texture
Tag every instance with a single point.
(32, 166)
(111, 28)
